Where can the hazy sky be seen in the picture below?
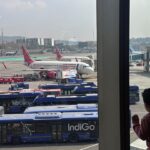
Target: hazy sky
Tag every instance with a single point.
(140, 18)
(65, 19)
(60, 19)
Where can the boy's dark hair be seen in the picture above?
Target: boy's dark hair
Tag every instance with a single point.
(146, 96)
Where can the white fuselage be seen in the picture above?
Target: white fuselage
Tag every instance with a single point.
(79, 59)
(75, 57)
(82, 68)
(10, 53)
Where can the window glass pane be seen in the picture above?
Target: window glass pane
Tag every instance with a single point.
(139, 71)
(48, 45)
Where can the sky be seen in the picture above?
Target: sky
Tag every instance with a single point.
(139, 18)
(65, 19)
(58, 19)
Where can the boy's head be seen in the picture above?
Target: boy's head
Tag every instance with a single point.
(146, 98)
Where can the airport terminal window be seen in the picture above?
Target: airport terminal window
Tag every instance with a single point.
(139, 71)
(35, 25)
(39, 30)
(47, 42)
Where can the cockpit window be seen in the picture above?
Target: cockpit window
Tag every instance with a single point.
(85, 66)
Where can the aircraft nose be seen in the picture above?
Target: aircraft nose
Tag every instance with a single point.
(90, 70)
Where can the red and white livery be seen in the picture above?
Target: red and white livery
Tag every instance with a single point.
(81, 67)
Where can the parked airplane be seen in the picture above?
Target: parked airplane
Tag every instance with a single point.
(84, 59)
(11, 53)
(53, 66)
(59, 56)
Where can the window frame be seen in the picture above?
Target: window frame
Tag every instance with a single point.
(113, 72)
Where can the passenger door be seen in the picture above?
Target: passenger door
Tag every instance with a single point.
(56, 132)
(3, 133)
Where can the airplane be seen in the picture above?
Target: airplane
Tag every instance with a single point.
(11, 53)
(85, 59)
(59, 56)
(54, 66)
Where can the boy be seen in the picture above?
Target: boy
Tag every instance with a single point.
(143, 130)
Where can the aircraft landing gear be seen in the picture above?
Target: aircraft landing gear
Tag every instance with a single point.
(79, 76)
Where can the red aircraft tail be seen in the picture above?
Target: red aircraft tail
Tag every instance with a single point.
(58, 54)
(27, 59)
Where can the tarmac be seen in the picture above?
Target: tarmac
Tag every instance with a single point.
(17, 67)
(137, 77)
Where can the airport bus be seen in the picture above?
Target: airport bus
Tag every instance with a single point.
(56, 92)
(85, 89)
(65, 86)
(73, 99)
(48, 127)
(134, 94)
(62, 108)
(67, 89)
(16, 102)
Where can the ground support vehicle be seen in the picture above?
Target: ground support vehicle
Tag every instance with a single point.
(18, 86)
(134, 94)
(16, 102)
(68, 89)
(5, 80)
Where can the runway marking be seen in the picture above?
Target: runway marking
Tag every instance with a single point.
(88, 147)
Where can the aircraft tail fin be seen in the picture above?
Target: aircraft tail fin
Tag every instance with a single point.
(58, 54)
(27, 59)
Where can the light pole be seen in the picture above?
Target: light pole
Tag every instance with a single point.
(2, 36)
